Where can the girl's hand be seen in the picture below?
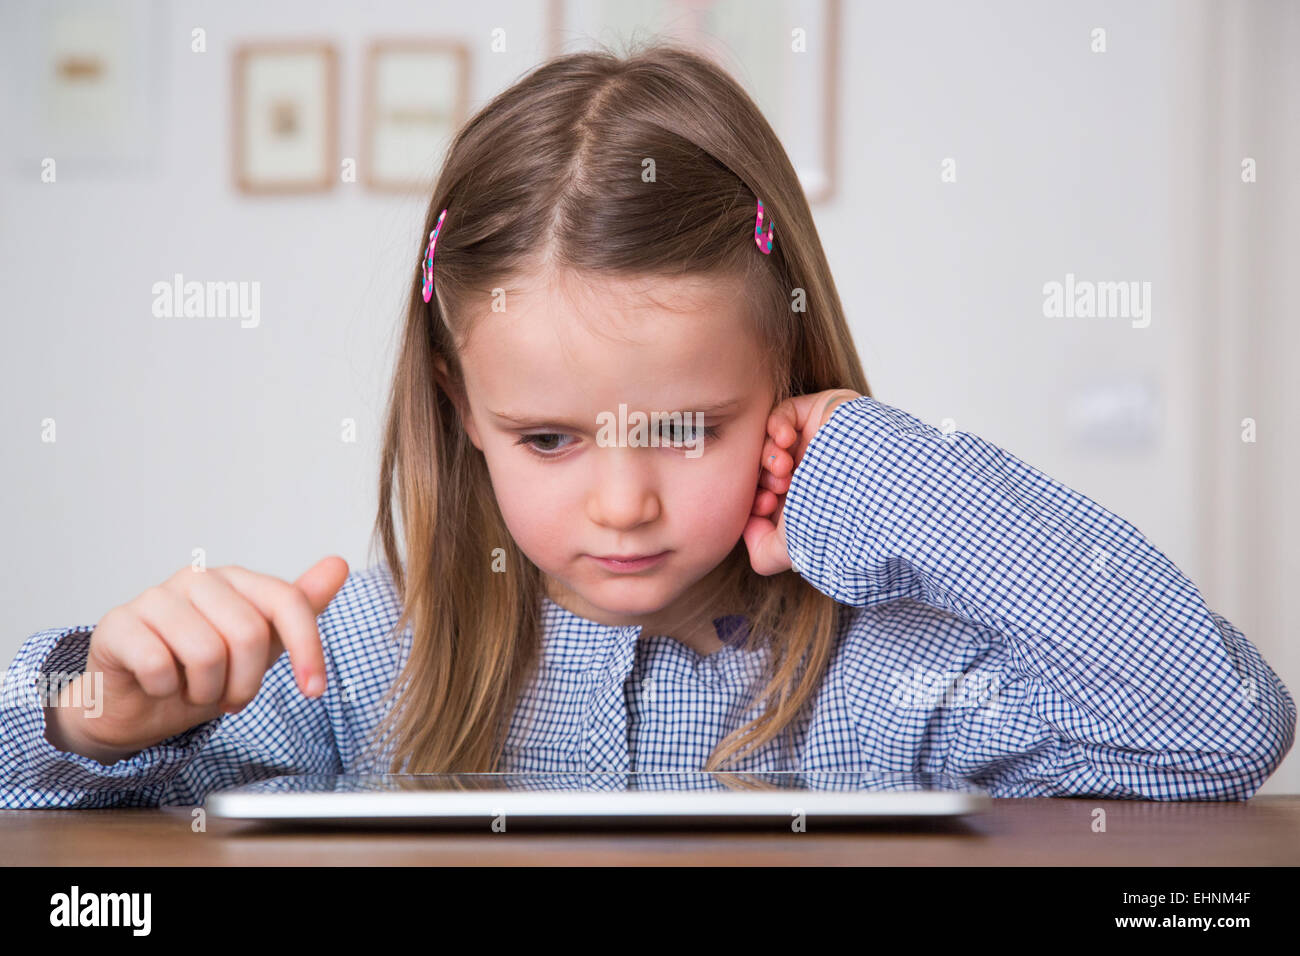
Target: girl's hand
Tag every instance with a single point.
(790, 430)
(189, 650)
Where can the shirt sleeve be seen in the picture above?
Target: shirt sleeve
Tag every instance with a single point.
(279, 732)
(1116, 678)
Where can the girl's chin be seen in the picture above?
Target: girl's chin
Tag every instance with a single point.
(619, 603)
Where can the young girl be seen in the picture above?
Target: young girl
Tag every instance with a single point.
(652, 519)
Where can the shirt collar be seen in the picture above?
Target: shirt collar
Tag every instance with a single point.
(575, 643)
(572, 642)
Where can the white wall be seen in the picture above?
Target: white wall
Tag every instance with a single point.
(173, 436)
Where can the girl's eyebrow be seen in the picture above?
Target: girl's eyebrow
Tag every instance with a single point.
(532, 421)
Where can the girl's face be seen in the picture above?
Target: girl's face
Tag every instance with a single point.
(550, 380)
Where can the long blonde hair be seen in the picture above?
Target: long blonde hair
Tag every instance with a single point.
(553, 165)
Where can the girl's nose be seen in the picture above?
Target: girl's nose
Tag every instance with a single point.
(624, 492)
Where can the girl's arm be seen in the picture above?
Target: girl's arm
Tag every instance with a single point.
(1106, 649)
(279, 732)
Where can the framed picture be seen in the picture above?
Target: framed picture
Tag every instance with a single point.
(285, 115)
(784, 70)
(91, 95)
(416, 96)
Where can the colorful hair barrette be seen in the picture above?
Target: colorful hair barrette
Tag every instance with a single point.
(766, 249)
(428, 258)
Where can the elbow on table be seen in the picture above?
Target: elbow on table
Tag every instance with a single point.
(1254, 746)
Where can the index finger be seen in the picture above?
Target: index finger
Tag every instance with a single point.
(783, 423)
(294, 620)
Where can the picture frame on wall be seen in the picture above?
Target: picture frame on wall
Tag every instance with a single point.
(93, 103)
(416, 96)
(798, 91)
(285, 117)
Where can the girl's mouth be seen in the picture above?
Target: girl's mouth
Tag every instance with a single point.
(629, 563)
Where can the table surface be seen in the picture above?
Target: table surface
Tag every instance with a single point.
(1015, 832)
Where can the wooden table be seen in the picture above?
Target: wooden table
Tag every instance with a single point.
(1015, 832)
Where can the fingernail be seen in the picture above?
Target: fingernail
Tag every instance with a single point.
(315, 684)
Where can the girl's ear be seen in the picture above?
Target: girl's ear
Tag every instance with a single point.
(458, 399)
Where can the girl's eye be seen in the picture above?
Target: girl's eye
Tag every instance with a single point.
(674, 435)
(548, 451)
(546, 448)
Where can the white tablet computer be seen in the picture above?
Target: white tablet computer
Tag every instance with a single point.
(488, 800)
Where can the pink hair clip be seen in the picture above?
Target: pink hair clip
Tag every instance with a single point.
(758, 231)
(428, 258)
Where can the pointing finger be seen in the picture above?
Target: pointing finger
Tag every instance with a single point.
(322, 581)
(292, 615)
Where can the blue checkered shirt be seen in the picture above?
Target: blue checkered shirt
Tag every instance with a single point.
(998, 626)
